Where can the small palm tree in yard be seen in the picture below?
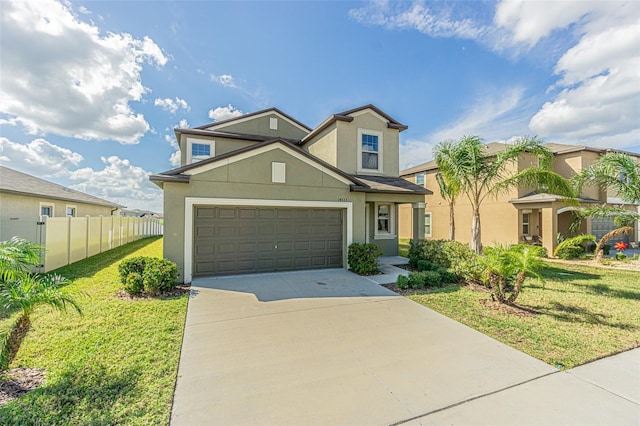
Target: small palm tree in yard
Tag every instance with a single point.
(506, 270)
(21, 292)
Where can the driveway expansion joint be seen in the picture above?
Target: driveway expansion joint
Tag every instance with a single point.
(473, 398)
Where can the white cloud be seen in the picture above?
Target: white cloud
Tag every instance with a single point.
(225, 80)
(121, 182)
(184, 124)
(172, 106)
(417, 17)
(38, 157)
(60, 75)
(174, 159)
(599, 82)
(492, 117)
(224, 113)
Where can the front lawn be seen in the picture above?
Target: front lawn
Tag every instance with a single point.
(582, 314)
(117, 364)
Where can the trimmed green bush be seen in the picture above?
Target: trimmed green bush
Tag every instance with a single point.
(463, 261)
(416, 280)
(134, 284)
(431, 278)
(434, 252)
(570, 252)
(403, 282)
(621, 256)
(425, 265)
(416, 253)
(150, 274)
(363, 258)
(447, 276)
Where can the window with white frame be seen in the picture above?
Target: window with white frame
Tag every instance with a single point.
(427, 224)
(72, 211)
(384, 221)
(525, 223)
(420, 179)
(46, 210)
(199, 149)
(370, 150)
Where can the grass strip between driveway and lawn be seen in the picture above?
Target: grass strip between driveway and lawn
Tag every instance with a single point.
(116, 364)
(579, 315)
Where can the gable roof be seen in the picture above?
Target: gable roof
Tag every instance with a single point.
(244, 117)
(17, 182)
(392, 123)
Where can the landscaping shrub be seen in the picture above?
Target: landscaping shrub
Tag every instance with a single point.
(621, 256)
(416, 280)
(606, 249)
(420, 280)
(434, 252)
(134, 265)
(133, 283)
(150, 274)
(159, 276)
(463, 261)
(431, 278)
(570, 252)
(403, 282)
(425, 265)
(363, 258)
(416, 253)
(447, 276)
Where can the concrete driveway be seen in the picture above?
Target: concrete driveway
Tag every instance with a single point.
(330, 347)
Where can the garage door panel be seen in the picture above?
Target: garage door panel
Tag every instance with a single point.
(237, 240)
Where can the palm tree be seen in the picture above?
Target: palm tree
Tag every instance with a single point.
(512, 266)
(480, 175)
(449, 191)
(620, 173)
(22, 292)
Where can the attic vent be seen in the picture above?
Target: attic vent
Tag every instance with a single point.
(273, 123)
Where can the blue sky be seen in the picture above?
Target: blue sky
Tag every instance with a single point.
(90, 91)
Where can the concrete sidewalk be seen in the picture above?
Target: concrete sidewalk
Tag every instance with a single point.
(329, 347)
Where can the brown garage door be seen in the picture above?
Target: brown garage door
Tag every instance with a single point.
(241, 240)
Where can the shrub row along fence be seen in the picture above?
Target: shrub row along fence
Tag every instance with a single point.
(69, 239)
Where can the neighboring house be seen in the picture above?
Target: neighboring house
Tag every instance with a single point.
(26, 196)
(519, 215)
(263, 192)
(140, 213)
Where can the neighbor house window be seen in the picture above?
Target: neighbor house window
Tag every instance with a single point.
(525, 223)
(46, 210)
(369, 150)
(427, 224)
(71, 211)
(420, 179)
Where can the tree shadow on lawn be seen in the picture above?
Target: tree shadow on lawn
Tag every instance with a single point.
(85, 394)
(92, 265)
(560, 274)
(573, 313)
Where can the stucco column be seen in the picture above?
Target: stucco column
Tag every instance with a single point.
(549, 228)
(418, 221)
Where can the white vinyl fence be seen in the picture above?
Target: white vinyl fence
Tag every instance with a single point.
(70, 239)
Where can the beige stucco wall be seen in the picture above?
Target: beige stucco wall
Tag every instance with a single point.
(221, 145)
(498, 218)
(260, 126)
(569, 164)
(251, 179)
(325, 145)
(24, 206)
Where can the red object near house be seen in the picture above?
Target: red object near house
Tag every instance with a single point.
(620, 245)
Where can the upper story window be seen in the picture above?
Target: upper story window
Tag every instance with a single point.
(369, 150)
(420, 179)
(199, 149)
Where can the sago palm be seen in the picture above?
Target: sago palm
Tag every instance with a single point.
(22, 292)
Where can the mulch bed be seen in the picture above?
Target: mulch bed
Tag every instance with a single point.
(18, 381)
(175, 292)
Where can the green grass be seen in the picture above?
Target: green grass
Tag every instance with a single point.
(584, 314)
(116, 364)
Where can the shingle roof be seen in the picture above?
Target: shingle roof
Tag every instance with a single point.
(391, 185)
(544, 197)
(22, 183)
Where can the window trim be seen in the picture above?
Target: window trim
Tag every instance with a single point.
(278, 172)
(75, 210)
(392, 222)
(191, 141)
(361, 132)
(424, 178)
(527, 224)
(430, 234)
(50, 205)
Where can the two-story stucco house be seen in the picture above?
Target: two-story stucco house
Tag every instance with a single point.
(263, 192)
(519, 215)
